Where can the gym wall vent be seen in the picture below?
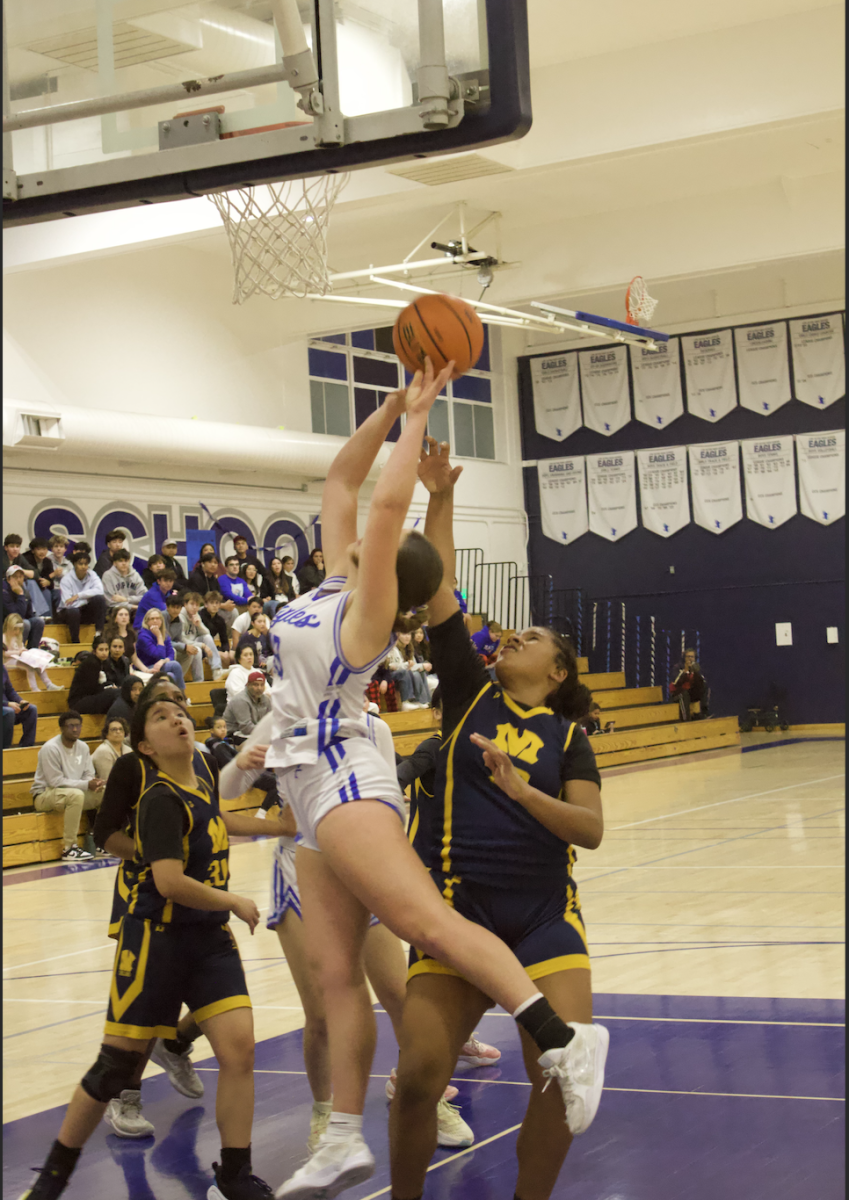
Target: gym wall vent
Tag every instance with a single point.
(449, 170)
(39, 429)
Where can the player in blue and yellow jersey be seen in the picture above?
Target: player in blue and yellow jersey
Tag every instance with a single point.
(174, 946)
(516, 788)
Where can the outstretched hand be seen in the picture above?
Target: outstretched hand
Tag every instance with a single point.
(504, 773)
(435, 470)
(424, 388)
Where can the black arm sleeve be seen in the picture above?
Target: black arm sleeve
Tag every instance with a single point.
(578, 759)
(119, 798)
(422, 760)
(162, 821)
(460, 669)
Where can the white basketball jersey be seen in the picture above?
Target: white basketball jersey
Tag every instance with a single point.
(316, 695)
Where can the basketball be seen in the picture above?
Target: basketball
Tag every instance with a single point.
(441, 328)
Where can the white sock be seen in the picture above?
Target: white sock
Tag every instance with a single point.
(344, 1125)
(527, 1004)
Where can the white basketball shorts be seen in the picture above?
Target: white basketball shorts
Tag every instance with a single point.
(284, 886)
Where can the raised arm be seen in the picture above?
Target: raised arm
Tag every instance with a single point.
(345, 478)
(439, 477)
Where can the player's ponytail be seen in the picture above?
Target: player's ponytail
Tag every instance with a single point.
(570, 699)
(419, 571)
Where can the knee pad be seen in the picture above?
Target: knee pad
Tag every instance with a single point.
(111, 1074)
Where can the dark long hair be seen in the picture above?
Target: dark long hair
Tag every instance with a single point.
(419, 571)
(570, 699)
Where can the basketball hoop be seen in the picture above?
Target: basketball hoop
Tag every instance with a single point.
(278, 235)
(639, 304)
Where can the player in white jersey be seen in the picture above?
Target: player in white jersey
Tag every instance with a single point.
(355, 859)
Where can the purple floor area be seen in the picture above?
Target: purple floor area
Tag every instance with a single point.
(707, 1098)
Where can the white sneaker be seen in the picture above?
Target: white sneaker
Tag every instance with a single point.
(319, 1121)
(451, 1129)
(180, 1070)
(449, 1093)
(260, 814)
(579, 1069)
(124, 1114)
(50, 686)
(409, 706)
(336, 1165)
(478, 1054)
(218, 673)
(75, 853)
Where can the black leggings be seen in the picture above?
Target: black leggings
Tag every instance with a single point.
(100, 702)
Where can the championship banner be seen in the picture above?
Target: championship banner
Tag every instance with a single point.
(770, 480)
(612, 494)
(819, 362)
(709, 369)
(563, 498)
(715, 483)
(763, 371)
(557, 400)
(664, 502)
(821, 459)
(604, 385)
(657, 384)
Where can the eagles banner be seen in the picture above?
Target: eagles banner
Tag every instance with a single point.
(557, 401)
(709, 371)
(657, 384)
(612, 494)
(563, 498)
(763, 371)
(715, 482)
(770, 480)
(664, 502)
(821, 461)
(819, 361)
(604, 385)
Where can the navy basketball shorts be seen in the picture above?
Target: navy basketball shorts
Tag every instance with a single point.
(160, 967)
(543, 926)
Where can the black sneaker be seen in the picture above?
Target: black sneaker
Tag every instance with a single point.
(244, 1187)
(75, 854)
(47, 1187)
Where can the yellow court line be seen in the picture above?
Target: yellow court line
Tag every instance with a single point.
(452, 1157)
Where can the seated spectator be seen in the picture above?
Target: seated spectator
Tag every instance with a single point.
(122, 583)
(206, 548)
(154, 650)
(382, 687)
(418, 666)
(592, 722)
(421, 650)
(217, 626)
(234, 589)
(155, 595)
(117, 666)
(115, 745)
(90, 692)
(244, 621)
(12, 556)
(247, 707)
(16, 600)
(124, 707)
(204, 577)
(168, 550)
(115, 539)
(410, 684)
(224, 749)
(65, 781)
(238, 677)
(44, 573)
(57, 554)
(256, 635)
(17, 712)
(81, 597)
(487, 642)
(289, 571)
(119, 625)
(688, 686)
(34, 662)
(276, 588)
(312, 573)
(195, 634)
(188, 648)
(252, 577)
(155, 566)
(240, 549)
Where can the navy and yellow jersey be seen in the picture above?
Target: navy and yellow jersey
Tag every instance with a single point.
(418, 772)
(178, 822)
(478, 834)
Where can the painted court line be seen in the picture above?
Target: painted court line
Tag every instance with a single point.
(56, 957)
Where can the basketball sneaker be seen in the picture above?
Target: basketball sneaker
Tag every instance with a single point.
(47, 1187)
(124, 1114)
(478, 1054)
(244, 1187)
(451, 1129)
(319, 1121)
(449, 1093)
(579, 1070)
(180, 1070)
(336, 1165)
(75, 853)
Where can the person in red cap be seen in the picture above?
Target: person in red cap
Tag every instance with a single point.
(247, 708)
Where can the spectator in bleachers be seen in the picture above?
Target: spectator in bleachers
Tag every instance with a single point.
(410, 685)
(689, 686)
(252, 577)
(155, 567)
(289, 569)
(243, 622)
(487, 641)
(417, 667)
(168, 550)
(115, 539)
(206, 548)
(154, 650)
(196, 633)
(312, 573)
(155, 595)
(57, 553)
(276, 588)
(421, 650)
(217, 626)
(204, 577)
(240, 549)
(122, 583)
(234, 590)
(117, 666)
(34, 661)
(119, 625)
(256, 635)
(237, 679)
(90, 690)
(115, 745)
(125, 705)
(247, 707)
(65, 781)
(45, 574)
(81, 597)
(17, 712)
(592, 722)
(12, 555)
(189, 646)
(224, 749)
(16, 599)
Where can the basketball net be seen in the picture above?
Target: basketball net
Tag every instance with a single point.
(639, 304)
(278, 235)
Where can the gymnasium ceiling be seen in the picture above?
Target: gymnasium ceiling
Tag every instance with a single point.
(699, 145)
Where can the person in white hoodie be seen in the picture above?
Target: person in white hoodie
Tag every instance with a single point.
(122, 583)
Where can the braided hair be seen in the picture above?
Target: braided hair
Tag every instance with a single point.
(570, 699)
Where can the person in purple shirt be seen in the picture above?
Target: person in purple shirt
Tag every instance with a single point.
(154, 648)
(155, 595)
(232, 586)
(487, 640)
(17, 712)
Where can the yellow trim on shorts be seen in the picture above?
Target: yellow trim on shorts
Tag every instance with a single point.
(566, 962)
(430, 966)
(120, 1004)
(221, 1006)
(115, 929)
(577, 924)
(143, 1032)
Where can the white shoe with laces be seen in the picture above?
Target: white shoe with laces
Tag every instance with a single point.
(579, 1070)
(319, 1121)
(451, 1129)
(478, 1054)
(335, 1166)
(124, 1114)
(180, 1070)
